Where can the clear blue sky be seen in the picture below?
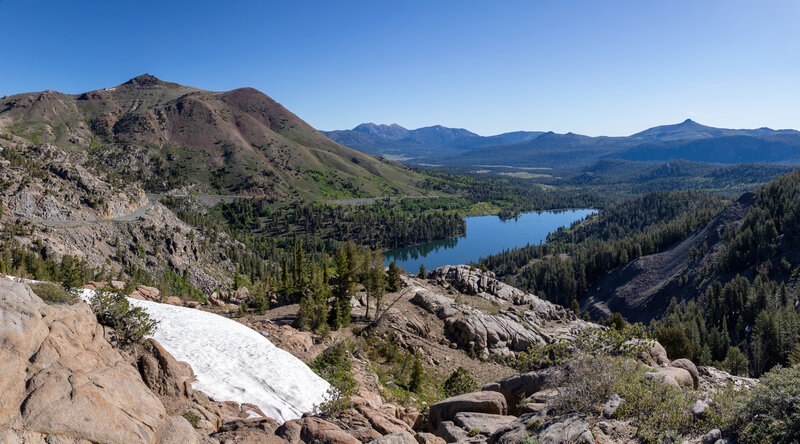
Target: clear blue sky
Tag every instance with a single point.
(592, 67)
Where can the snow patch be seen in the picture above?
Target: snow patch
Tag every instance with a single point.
(233, 362)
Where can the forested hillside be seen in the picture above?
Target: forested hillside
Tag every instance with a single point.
(750, 298)
(574, 259)
(717, 286)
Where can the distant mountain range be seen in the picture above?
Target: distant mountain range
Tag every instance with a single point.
(431, 141)
(687, 140)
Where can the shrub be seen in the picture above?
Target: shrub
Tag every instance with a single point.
(53, 294)
(770, 411)
(659, 410)
(675, 342)
(192, 418)
(627, 342)
(176, 285)
(616, 321)
(474, 432)
(459, 382)
(131, 324)
(334, 365)
(529, 440)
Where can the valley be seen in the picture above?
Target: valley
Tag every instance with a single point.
(256, 280)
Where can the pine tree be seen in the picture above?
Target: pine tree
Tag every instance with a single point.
(422, 274)
(794, 357)
(343, 283)
(417, 376)
(313, 312)
(374, 280)
(575, 306)
(298, 268)
(285, 277)
(393, 277)
(735, 362)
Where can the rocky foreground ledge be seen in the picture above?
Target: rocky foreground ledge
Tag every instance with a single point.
(62, 381)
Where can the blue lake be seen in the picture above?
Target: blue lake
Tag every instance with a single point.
(486, 235)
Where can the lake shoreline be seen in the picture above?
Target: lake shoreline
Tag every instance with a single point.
(486, 235)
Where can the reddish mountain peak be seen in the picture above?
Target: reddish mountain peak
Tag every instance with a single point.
(144, 80)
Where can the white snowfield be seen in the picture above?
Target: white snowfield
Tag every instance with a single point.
(235, 363)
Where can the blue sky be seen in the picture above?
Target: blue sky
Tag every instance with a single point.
(591, 67)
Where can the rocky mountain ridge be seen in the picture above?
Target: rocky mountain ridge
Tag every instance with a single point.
(165, 135)
(55, 203)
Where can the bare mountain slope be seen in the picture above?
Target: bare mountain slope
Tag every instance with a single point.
(236, 141)
(643, 289)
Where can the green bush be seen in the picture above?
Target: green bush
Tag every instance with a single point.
(770, 411)
(627, 342)
(474, 432)
(675, 342)
(459, 382)
(176, 285)
(529, 440)
(334, 365)
(131, 324)
(616, 321)
(53, 294)
(192, 418)
(660, 411)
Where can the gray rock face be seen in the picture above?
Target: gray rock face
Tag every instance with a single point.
(59, 376)
(450, 432)
(518, 387)
(570, 429)
(711, 437)
(440, 305)
(689, 367)
(485, 422)
(469, 280)
(529, 321)
(312, 429)
(513, 432)
(676, 377)
(479, 402)
(712, 379)
(558, 430)
(428, 438)
(654, 355)
(80, 212)
(396, 438)
(493, 334)
(699, 408)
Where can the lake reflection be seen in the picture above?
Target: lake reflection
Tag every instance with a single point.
(486, 235)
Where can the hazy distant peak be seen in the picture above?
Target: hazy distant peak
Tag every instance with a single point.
(393, 131)
(443, 130)
(688, 129)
